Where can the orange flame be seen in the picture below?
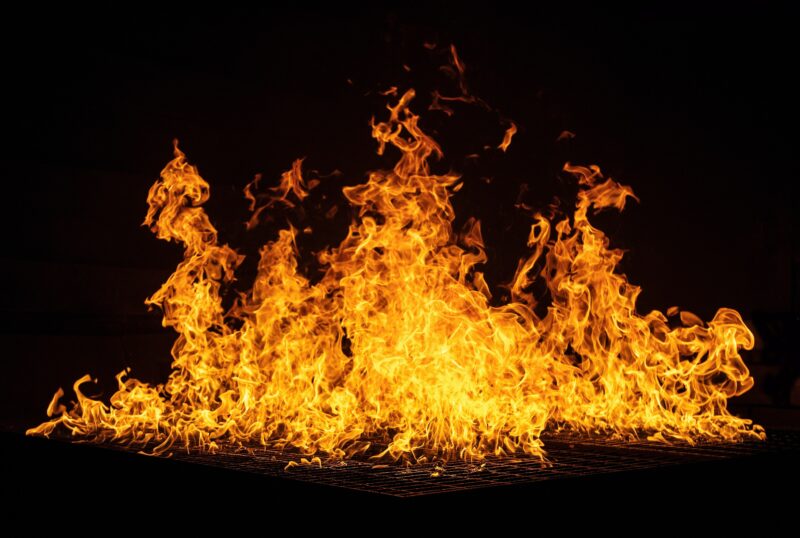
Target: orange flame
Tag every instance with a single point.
(510, 132)
(565, 135)
(398, 344)
(456, 70)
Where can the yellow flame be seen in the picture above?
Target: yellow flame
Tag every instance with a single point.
(398, 344)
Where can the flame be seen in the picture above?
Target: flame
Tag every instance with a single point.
(565, 135)
(457, 71)
(397, 346)
(291, 182)
(510, 132)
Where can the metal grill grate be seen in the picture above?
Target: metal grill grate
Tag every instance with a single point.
(569, 455)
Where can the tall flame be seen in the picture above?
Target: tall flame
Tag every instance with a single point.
(397, 345)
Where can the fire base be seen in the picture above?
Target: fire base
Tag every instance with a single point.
(570, 457)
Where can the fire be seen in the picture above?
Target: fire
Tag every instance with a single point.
(510, 132)
(397, 351)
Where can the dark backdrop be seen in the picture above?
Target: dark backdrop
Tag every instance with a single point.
(692, 109)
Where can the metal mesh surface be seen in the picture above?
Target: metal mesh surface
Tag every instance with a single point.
(568, 455)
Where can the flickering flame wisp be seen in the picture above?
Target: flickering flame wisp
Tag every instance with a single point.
(509, 134)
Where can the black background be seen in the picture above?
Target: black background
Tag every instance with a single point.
(695, 110)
